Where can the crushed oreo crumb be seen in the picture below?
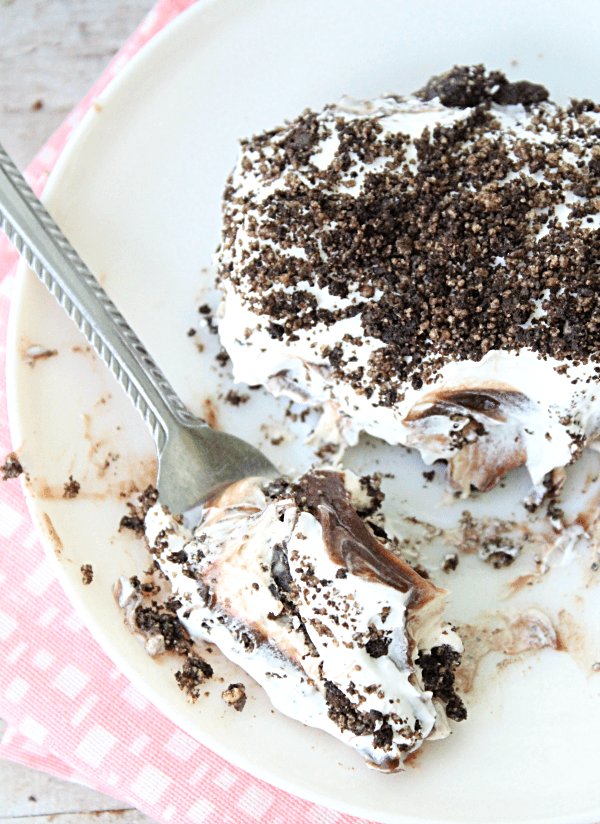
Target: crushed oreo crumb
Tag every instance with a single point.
(463, 248)
(235, 696)
(135, 519)
(378, 644)
(72, 488)
(465, 87)
(437, 668)
(193, 674)
(12, 467)
(279, 488)
(371, 485)
(235, 399)
(343, 713)
(222, 358)
(450, 562)
(158, 619)
(207, 314)
(499, 559)
(179, 557)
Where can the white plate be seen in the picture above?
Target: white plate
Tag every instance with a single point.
(138, 192)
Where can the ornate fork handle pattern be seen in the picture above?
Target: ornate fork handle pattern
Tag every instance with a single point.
(50, 255)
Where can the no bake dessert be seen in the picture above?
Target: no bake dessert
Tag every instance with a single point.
(291, 584)
(427, 267)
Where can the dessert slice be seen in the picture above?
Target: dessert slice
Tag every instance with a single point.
(428, 266)
(288, 581)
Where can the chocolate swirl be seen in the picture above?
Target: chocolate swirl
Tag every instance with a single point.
(495, 403)
(350, 544)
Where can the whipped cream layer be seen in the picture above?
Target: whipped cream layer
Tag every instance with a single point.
(292, 586)
(430, 271)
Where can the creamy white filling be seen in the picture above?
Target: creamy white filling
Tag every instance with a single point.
(232, 553)
(298, 370)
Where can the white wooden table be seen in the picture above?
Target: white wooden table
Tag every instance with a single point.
(51, 52)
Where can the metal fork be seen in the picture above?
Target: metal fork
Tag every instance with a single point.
(194, 461)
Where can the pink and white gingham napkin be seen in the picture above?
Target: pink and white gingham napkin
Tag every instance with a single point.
(70, 711)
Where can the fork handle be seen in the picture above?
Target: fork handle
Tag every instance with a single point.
(38, 239)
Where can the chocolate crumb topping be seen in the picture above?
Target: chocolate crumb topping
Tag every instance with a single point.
(87, 574)
(377, 646)
(480, 243)
(437, 668)
(343, 712)
(464, 87)
(522, 91)
(207, 314)
(383, 737)
(279, 488)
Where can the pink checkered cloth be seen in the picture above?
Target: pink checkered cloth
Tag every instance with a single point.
(70, 711)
